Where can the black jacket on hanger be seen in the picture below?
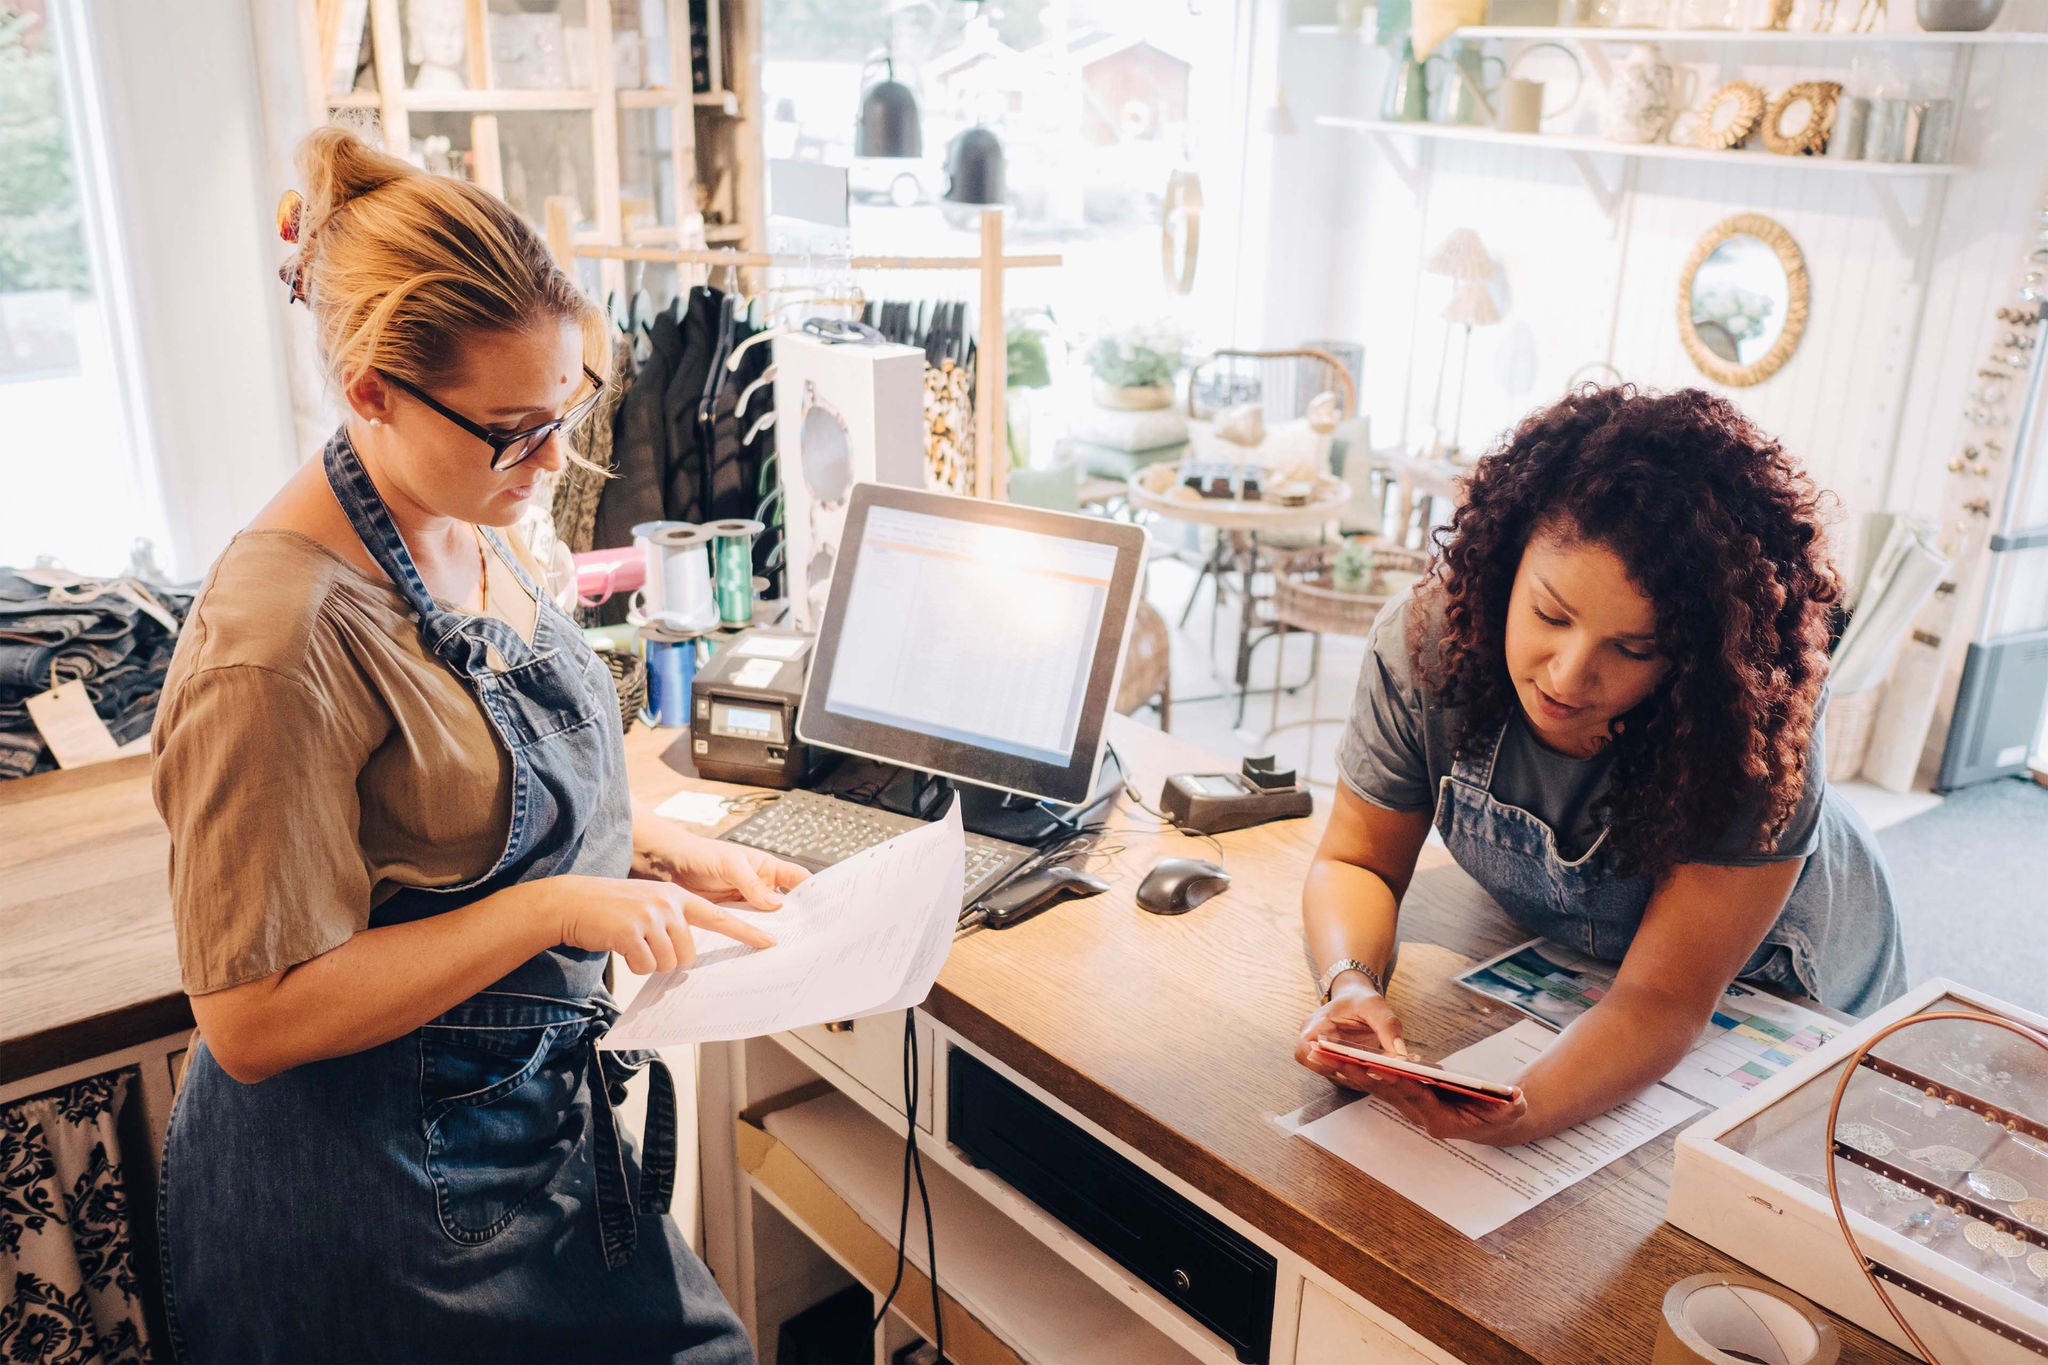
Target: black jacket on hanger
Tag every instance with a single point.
(682, 493)
(640, 455)
(736, 465)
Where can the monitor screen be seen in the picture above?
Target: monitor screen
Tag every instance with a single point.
(976, 639)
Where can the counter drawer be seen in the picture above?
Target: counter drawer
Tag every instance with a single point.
(1222, 1280)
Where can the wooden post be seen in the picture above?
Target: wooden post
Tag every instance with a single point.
(991, 376)
(559, 240)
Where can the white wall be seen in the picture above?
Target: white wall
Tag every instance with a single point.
(1871, 400)
(195, 200)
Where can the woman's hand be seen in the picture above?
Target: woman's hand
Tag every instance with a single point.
(1360, 1017)
(720, 871)
(645, 922)
(1356, 1016)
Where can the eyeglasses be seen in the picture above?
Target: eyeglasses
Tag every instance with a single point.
(509, 449)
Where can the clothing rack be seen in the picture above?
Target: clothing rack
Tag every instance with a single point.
(991, 462)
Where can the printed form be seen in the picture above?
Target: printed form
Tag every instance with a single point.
(865, 936)
(1476, 1188)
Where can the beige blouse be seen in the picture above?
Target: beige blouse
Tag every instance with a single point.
(312, 758)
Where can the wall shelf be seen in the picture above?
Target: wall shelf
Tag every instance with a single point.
(1726, 37)
(1880, 176)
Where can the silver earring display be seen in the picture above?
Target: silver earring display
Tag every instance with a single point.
(1949, 1160)
(1996, 1185)
(1867, 1139)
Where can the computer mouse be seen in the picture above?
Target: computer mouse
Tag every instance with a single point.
(1175, 886)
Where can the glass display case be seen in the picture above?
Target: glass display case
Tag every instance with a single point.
(1940, 1157)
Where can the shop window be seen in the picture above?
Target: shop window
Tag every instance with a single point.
(69, 486)
(1096, 104)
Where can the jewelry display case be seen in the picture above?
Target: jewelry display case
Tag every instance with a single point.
(1940, 1158)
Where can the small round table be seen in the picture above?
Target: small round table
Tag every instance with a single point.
(1157, 489)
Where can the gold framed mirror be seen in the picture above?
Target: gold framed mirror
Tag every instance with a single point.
(1798, 121)
(1742, 300)
(1730, 114)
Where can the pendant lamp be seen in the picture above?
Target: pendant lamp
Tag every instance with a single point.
(974, 168)
(889, 123)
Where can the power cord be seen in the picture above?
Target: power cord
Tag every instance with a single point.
(913, 1162)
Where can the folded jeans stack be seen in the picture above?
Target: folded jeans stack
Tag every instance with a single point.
(113, 635)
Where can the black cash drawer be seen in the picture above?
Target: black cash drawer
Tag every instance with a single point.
(1217, 1277)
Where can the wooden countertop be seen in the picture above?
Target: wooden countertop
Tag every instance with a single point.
(88, 964)
(1095, 1001)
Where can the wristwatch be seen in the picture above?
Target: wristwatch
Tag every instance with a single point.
(1348, 964)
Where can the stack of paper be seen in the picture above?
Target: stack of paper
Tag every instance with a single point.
(863, 937)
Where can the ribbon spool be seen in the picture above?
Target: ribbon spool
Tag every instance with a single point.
(732, 555)
(671, 671)
(677, 594)
(1741, 1320)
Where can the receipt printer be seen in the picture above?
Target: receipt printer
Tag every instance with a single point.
(1210, 803)
(743, 711)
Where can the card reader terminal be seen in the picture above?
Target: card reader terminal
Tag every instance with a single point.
(1210, 803)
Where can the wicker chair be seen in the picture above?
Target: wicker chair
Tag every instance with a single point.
(1305, 599)
(1148, 667)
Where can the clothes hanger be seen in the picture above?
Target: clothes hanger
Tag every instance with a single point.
(746, 397)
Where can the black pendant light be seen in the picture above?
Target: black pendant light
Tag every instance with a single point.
(889, 124)
(974, 168)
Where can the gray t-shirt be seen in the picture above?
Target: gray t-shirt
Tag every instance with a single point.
(1397, 749)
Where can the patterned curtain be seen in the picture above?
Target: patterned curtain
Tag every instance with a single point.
(66, 1250)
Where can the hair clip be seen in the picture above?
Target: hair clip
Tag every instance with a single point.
(291, 212)
(293, 273)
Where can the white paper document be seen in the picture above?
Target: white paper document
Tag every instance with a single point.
(1751, 1036)
(864, 936)
(1476, 1188)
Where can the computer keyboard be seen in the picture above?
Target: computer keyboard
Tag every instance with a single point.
(817, 831)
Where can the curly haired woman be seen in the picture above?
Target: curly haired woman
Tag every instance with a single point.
(1607, 698)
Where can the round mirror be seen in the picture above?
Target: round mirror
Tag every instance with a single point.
(1742, 301)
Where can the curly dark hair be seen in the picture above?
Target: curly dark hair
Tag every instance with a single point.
(1722, 531)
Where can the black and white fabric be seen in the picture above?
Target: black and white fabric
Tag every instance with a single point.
(67, 1255)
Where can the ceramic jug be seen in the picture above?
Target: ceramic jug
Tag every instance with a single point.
(1406, 97)
(1643, 97)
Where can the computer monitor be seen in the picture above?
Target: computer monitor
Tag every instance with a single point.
(975, 640)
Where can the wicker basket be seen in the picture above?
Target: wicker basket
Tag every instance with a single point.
(1845, 731)
(1304, 597)
(629, 675)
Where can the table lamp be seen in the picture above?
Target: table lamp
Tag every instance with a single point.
(1463, 259)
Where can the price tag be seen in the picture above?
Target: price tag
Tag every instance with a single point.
(73, 730)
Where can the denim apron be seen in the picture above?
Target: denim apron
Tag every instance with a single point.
(462, 1192)
(1836, 941)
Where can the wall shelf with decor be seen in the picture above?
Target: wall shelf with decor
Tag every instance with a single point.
(615, 104)
(1880, 176)
(1723, 36)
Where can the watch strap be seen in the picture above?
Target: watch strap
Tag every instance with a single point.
(1348, 964)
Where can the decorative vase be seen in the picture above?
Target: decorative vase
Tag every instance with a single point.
(1133, 398)
(1957, 16)
(1642, 99)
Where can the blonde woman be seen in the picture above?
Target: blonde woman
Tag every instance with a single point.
(400, 851)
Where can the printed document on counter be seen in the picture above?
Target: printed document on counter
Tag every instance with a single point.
(864, 936)
(1476, 1188)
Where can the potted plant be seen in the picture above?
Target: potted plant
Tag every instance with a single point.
(1134, 370)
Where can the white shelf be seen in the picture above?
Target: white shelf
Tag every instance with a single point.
(1660, 151)
(1761, 37)
(1029, 1297)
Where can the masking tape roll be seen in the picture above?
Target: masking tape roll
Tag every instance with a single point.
(1741, 1320)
